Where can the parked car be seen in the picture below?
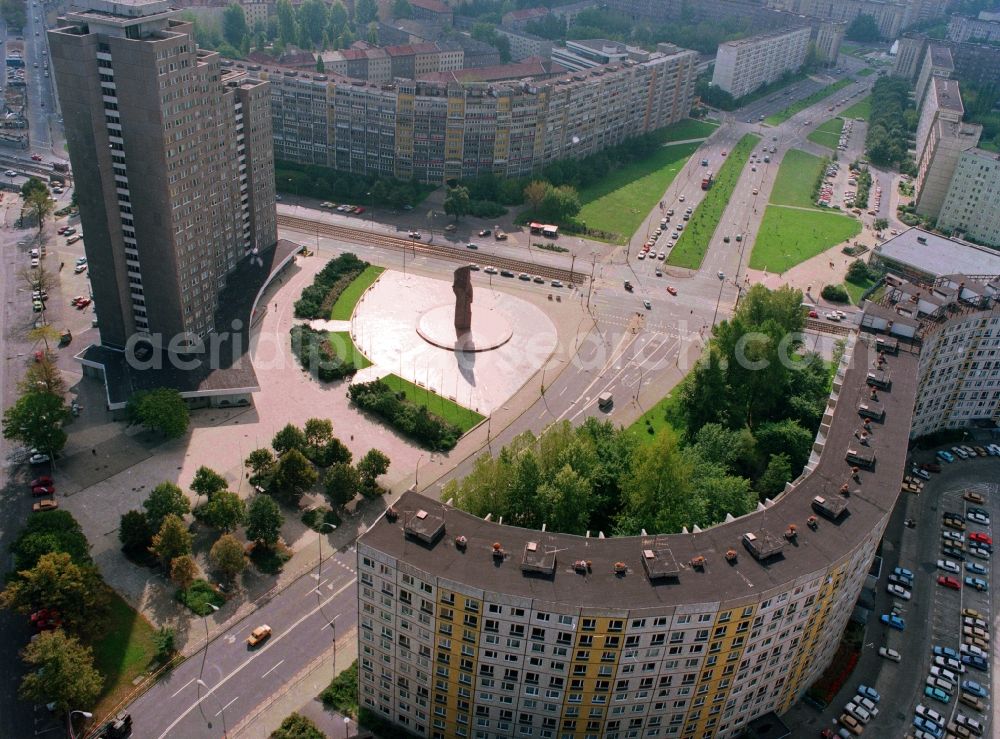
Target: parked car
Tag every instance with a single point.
(948, 566)
(949, 663)
(928, 726)
(978, 583)
(979, 518)
(890, 654)
(859, 712)
(46, 504)
(851, 723)
(893, 621)
(931, 467)
(952, 536)
(954, 552)
(945, 456)
(975, 568)
(970, 723)
(38, 458)
(975, 660)
(981, 538)
(959, 452)
(973, 687)
(980, 552)
(941, 684)
(944, 674)
(937, 694)
(949, 582)
(973, 497)
(898, 591)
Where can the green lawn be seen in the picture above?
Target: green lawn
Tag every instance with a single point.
(828, 134)
(344, 307)
(694, 240)
(620, 202)
(861, 109)
(789, 236)
(857, 289)
(657, 418)
(866, 71)
(450, 411)
(122, 653)
(796, 179)
(778, 118)
(345, 348)
(689, 128)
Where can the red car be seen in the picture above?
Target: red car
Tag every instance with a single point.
(61, 230)
(813, 314)
(39, 490)
(359, 210)
(36, 157)
(981, 537)
(43, 480)
(672, 290)
(81, 304)
(949, 582)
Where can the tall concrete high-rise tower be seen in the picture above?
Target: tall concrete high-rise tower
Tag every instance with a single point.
(173, 166)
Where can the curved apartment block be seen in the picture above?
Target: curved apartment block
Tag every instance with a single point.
(470, 628)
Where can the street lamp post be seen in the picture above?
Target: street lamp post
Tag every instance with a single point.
(204, 654)
(85, 714)
(319, 542)
(222, 710)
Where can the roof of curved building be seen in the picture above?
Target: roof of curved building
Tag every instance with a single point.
(663, 571)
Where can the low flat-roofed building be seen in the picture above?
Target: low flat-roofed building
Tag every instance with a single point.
(923, 256)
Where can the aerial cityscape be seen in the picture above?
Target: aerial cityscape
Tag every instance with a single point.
(499, 368)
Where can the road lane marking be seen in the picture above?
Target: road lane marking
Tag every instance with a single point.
(272, 669)
(250, 659)
(228, 705)
(329, 623)
(183, 686)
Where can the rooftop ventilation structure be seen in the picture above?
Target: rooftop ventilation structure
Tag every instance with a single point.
(861, 456)
(658, 561)
(424, 527)
(538, 559)
(832, 508)
(879, 377)
(762, 545)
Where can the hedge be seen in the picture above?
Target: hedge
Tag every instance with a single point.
(317, 299)
(318, 356)
(405, 416)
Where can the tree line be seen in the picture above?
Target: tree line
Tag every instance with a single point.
(892, 124)
(735, 435)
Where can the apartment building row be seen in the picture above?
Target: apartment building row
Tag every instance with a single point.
(383, 64)
(985, 27)
(974, 62)
(470, 628)
(743, 66)
(891, 16)
(435, 131)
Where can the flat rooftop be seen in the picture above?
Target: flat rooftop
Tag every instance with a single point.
(658, 571)
(941, 56)
(948, 94)
(939, 255)
(751, 40)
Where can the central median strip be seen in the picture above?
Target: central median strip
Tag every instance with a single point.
(693, 243)
(784, 115)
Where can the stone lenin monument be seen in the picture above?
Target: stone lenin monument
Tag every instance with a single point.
(462, 287)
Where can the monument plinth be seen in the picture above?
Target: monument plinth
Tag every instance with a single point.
(452, 329)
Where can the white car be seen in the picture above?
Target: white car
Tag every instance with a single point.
(948, 566)
(891, 654)
(953, 536)
(973, 649)
(859, 712)
(975, 726)
(944, 674)
(921, 473)
(867, 703)
(898, 591)
(38, 458)
(977, 517)
(950, 664)
(10, 173)
(930, 714)
(936, 682)
(959, 452)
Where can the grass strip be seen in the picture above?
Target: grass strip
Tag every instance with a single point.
(796, 180)
(828, 134)
(347, 350)
(694, 240)
(784, 115)
(343, 309)
(124, 651)
(861, 109)
(455, 414)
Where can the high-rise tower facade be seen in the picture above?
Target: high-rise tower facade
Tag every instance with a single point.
(173, 163)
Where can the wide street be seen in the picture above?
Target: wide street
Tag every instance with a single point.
(620, 346)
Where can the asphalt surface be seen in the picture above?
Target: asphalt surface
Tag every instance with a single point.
(628, 348)
(306, 619)
(932, 616)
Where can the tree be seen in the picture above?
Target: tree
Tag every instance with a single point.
(264, 521)
(43, 376)
(234, 25)
(863, 28)
(365, 12)
(183, 571)
(261, 464)
(32, 186)
(457, 202)
(172, 540)
(318, 431)
(223, 511)
(320, 67)
(207, 482)
(857, 271)
(42, 279)
(166, 499)
(370, 466)
(134, 531)
(46, 532)
(401, 9)
(835, 294)
(881, 224)
(778, 472)
(228, 556)
(313, 18)
(165, 641)
(36, 420)
(297, 726)
(342, 483)
(785, 437)
(290, 437)
(333, 452)
(162, 410)
(293, 475)
(40, 205)
(535, 192)
(61, 671)
(75, 590)
(658, 492)
(287, 31)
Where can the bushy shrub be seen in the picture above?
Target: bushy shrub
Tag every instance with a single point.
(317, 299)
(317, 355)
(835, 294)
(403, 415)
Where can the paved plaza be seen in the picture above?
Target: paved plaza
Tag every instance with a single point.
(386, 323)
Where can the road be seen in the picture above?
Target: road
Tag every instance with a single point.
(307, 618)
